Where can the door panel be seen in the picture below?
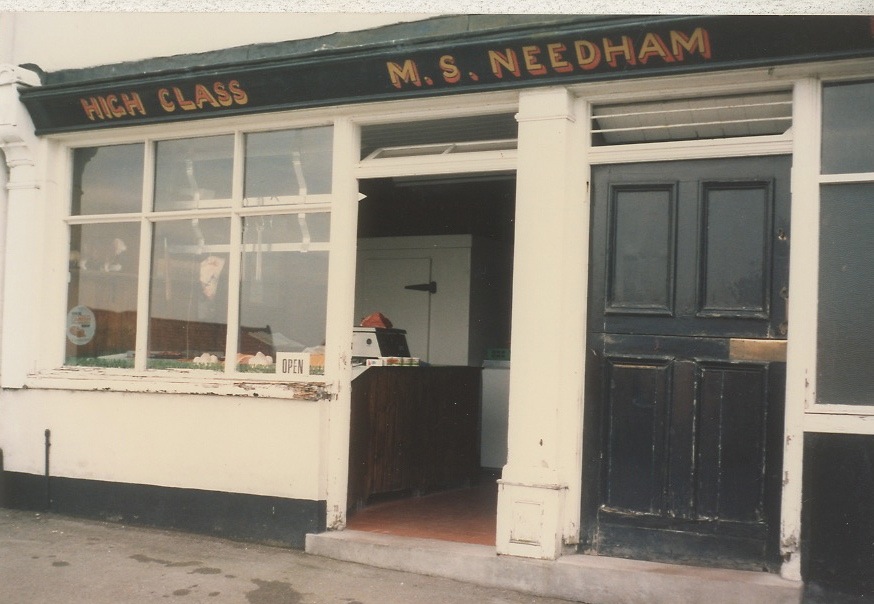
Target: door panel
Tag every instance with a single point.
(736, 245)
(684, 435)
(731, 444)
(641, 254)
(636, 400)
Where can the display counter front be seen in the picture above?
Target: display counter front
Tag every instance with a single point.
(414, 430)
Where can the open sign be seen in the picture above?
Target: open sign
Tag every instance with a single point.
(295, 366)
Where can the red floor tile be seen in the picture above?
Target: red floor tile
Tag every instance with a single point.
(462, 515)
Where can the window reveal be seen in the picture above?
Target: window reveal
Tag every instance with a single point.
(232, 279)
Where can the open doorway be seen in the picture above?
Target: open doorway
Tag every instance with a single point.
(427, 443)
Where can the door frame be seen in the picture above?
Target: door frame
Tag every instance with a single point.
(594, 403)
(805, 116)
(803, 261)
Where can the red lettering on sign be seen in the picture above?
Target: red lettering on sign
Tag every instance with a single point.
(202, 96)
(556, 58)
(565, 57)
(133, 103)
(451, 73)
(507, 60)
(699, 41)
(653, 46)
(104, 106)
(181, 101)
(112, 106)
(588, 54)
(91, 108)
(222, 95)
(624, 48)
(217, 95)
(530, 54)
(164, 99)
(240, 96)
(408, 73)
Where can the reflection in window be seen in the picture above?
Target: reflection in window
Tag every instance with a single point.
(284, 287)
(226, 287)
(845, 336)
(189, 293)
(107, 180)
(194, 173)
(102, 294)
(287, 163)
(848, 128)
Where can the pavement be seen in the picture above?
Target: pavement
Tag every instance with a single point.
(50, 559)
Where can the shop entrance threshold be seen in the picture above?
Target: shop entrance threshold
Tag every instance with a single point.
(577, 578)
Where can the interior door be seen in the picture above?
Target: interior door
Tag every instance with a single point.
(686, 365)
(381, 286)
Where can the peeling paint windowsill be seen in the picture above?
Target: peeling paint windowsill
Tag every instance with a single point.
(174, 382)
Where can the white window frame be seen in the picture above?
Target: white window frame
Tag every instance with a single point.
(50, 371)
(824, 416)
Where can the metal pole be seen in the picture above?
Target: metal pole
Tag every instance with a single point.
(48, 443)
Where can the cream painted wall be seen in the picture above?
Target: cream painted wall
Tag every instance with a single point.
(57, 40)
(220, 443)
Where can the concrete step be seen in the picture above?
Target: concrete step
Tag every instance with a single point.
(578, 578)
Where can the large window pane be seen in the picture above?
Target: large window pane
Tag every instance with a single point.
(848, 128)
(287, 163)
(102, 294)
(283, 294)
(107, 180)
(194, 173)
(189, 293)
(845, 339)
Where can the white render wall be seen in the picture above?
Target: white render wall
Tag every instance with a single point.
(218, 443)
(114, 37)
(252, 445)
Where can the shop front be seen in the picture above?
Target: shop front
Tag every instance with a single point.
(653, 232)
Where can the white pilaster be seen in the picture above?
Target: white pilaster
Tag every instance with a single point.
(803, 295)
(21, 254)
(539, 491)
(341, 313)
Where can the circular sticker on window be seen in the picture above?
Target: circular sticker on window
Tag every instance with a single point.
(81, 325)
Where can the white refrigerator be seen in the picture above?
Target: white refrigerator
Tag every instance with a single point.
(495, 410)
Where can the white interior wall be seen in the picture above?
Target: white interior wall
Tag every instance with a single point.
(450, 306)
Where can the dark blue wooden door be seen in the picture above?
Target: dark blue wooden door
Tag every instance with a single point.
(686, 361)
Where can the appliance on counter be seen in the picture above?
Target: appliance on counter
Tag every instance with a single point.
(495, 411)
(375, 342)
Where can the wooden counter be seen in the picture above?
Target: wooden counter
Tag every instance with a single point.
(413, 430)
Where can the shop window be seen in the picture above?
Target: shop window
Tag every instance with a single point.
(192, 174)
(229, 285)
(102, 293)
(284, 277)
(845, 326)
(108, 180)
(188, 294)
(848, 128)
(284, 166)
(845, 344)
